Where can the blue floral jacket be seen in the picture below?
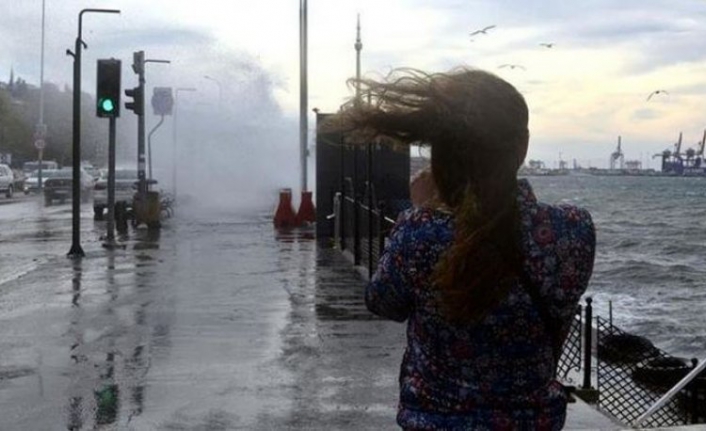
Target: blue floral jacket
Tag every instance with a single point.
(497, 374)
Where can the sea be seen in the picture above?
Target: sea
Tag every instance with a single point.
(650, 267)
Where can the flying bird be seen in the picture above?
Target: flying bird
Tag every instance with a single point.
(547, 45)
(656, 92)
(483, 30)
(511, 66)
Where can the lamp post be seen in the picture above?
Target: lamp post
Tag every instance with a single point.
(76, 250)
(303, 92)
(41, 131)
(220, 89)
(174, 136)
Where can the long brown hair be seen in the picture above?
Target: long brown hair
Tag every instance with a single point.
(476, 126)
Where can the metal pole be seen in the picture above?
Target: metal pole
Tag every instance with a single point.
(76, 250)
(41, 129)
(149, 145)
(41, 71)
(142, 183)
(111, 183)
(303, 105)
(588, 337)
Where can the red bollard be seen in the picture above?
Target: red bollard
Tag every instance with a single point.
(307, 212)
(284, 216)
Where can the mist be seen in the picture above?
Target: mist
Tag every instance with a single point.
(235, 145)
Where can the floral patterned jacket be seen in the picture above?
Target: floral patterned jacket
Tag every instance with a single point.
(497, 374)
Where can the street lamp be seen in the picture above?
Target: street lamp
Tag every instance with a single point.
(220, 89)
(174, 136)
(76, 250)
(41, 131)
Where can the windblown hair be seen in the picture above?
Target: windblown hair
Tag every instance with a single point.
(476, 126)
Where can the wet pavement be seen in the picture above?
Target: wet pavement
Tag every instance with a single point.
(215, 322)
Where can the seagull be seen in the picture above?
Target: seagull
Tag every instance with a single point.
(511, 66)
(656, 92)
(483, 30)
(547, 45)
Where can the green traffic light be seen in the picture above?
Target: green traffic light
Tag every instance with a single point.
(107, 105)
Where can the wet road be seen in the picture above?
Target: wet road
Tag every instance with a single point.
(214, 323)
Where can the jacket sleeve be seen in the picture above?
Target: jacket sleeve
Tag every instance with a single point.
(389, 293)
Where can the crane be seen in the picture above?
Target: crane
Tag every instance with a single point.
(617, 155)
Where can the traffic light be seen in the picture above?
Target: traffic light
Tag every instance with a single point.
(138, 100)
(108, 88)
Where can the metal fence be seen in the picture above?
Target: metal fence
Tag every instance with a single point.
(362, 230)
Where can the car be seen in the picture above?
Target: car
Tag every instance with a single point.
(58, 185)
(125, 188)
(7, 181)
(31, 183)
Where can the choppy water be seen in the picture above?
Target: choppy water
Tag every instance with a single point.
(650, 257)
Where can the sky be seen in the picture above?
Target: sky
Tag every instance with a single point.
(589, 88)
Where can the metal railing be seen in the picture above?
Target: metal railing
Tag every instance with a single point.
(360, 229)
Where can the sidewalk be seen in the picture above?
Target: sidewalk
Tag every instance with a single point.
(215, 324)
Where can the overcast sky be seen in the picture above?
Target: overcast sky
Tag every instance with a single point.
(590, 87)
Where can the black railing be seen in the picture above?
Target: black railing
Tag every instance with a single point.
(363, 231)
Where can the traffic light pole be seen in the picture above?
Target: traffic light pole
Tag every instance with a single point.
(139, 68)
(110, 242)
(142, 184)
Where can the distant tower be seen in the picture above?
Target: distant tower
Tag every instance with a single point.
(358, 48)
(12, 78)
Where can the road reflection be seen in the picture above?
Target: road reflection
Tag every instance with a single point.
(111, 335)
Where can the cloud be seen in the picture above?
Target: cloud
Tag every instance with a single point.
(645, 114)
(145, 38)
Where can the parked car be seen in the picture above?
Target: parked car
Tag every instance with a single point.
(125, 188)
(7, 181)
(58, 185)
(31, 183)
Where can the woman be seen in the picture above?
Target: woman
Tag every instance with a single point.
(487, 278)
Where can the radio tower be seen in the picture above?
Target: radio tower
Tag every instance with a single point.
(358, 48)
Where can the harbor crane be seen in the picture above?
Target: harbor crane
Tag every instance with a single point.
(672, 162)
(617, 155)
(695, 158)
